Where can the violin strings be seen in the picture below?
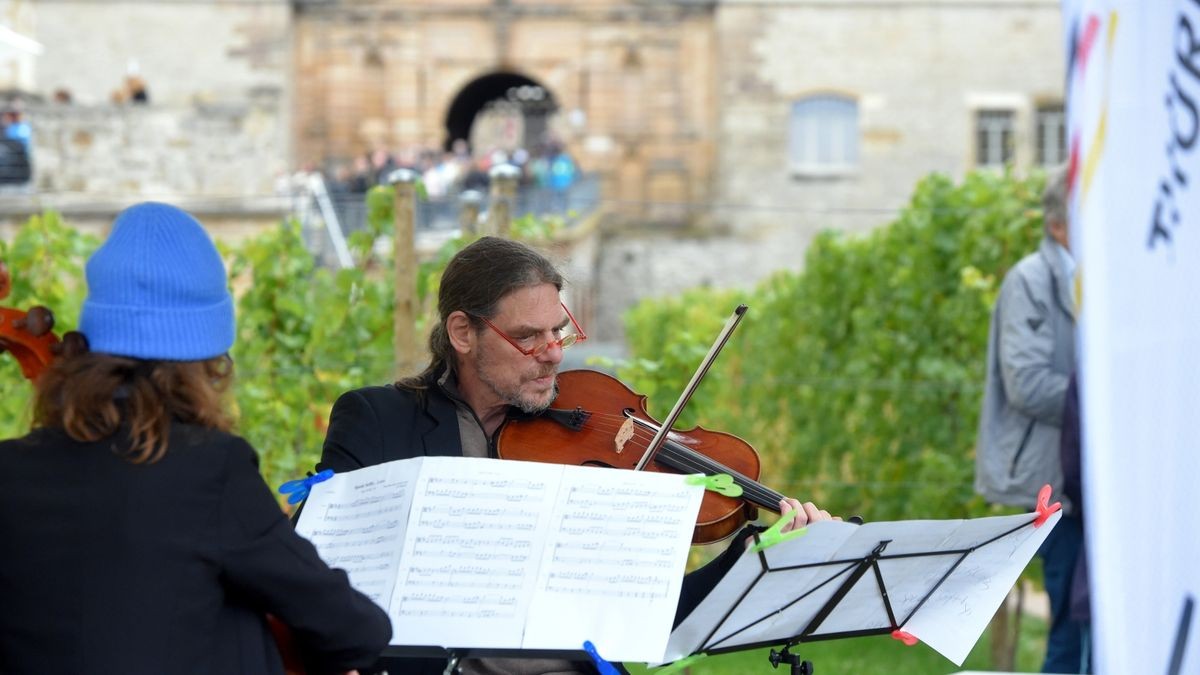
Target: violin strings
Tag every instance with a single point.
(685, 459)
(691, 461)
(699, 464)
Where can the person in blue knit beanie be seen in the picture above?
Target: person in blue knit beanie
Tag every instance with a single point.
(157, 289)
(139, 536)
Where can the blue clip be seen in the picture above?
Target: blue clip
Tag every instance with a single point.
(299, 488)
(603, 666)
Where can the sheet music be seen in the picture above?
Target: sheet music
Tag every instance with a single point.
(863, 607)
(750, 606)
(957, 613)
(495, 554)
(356, 521)
(470, 555)
(623, 543)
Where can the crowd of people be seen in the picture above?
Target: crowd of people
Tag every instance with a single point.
(448, 173)
(547, 174)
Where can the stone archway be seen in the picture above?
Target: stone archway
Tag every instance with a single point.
(501, 94)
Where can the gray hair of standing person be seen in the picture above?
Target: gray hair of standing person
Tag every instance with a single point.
(1054, 198)
(476, 279)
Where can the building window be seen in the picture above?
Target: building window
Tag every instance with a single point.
(994, 138)
(1051, 134)
(823, 135)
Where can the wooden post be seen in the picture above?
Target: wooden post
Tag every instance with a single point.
(468, 215)
(404, 209)
(504, 179)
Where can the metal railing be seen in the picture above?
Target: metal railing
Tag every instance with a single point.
(328, 216)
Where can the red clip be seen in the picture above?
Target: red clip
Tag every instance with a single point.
(1044, 508)
(906, 638)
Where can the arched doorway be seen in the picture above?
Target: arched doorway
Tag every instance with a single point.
(501, 109)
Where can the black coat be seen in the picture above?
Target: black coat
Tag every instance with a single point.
(373, 425)
(113, 567)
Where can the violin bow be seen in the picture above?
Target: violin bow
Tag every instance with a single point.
(667, 424)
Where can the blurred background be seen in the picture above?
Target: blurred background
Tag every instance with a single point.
(862, 173)
(715, 138)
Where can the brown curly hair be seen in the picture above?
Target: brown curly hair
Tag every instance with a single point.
(91, 396)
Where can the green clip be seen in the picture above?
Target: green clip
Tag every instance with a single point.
(721, 483)
(773, 536)
(677, 666)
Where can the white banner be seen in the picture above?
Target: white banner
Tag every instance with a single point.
(1134, 134)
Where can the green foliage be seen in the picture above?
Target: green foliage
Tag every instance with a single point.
(859, 379)
(45, 259)
(305, 334)
(530, 227)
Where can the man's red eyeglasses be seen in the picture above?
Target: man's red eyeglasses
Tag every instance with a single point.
(563, 342)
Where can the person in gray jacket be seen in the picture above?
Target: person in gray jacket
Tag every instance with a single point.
(1031, 354)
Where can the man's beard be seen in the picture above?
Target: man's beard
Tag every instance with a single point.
(513, 396)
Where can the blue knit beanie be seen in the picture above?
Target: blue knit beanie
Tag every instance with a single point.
(157, 289)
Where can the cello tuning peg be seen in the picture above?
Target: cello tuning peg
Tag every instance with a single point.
(73, 343)
(37, 322)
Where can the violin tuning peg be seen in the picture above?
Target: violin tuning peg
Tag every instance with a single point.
(38, 321)
(73, 343)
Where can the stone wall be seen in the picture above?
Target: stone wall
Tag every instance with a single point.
(228, 152)
(213, 136)
(199, 51)
(636, 78)
(918, 71)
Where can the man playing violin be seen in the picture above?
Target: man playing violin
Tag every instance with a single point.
(495, 352)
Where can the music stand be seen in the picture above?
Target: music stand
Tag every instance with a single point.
(453, 656)
(829, 585)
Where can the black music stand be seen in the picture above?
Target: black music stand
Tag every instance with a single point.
(872, 593)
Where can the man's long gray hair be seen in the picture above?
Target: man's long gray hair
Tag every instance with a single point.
(475, 281)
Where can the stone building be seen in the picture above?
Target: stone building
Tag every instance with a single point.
(630, 85)
(827, 113)
(725, 132)
(187, 102)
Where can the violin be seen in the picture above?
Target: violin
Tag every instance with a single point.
(598, 421)
(29, 337)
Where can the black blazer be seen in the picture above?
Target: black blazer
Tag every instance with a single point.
(114, 567)
(380, 424)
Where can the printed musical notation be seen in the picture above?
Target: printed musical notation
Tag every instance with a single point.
(357, 524)
(468, 552)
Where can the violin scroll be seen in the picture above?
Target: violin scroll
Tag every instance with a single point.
(29, 335)
(30, 339)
